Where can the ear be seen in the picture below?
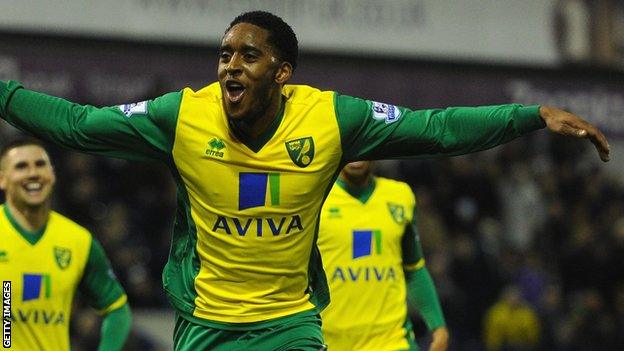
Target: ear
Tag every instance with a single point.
(2, 181)
(283, 73)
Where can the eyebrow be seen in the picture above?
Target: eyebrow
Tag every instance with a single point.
(38, 162)
(245, 48)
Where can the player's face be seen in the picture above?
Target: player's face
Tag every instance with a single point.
(358, 171)
(26, 176)
(249, 72)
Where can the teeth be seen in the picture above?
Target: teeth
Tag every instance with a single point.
(33, 186)
(234, 85)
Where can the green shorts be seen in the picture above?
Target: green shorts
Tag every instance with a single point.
(300, 333)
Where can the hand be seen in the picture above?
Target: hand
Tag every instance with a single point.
(440, 339)
(565, 123)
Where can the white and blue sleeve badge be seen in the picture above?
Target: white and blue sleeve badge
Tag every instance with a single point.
(385, 112)
(137, 108)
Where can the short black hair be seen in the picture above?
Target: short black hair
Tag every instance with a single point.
(281, 35)
(20, 141)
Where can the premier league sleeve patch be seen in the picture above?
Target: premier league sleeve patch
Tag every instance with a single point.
(137, 108)
(385, 112)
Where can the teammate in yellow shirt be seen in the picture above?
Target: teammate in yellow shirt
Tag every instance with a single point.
(374, 265)
(253, 158)
(45, 258)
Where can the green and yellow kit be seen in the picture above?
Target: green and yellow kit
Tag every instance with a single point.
(45, 270)
(367, 240)
(244, 251)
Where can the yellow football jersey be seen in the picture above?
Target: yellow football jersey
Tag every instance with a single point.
(256, 226)
(43, 279)
(360, 243)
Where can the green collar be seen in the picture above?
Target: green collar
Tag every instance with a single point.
(31, 237)
(362, 194)
(256, 144)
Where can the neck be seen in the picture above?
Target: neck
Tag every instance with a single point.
(31, 218)
(357, 182)
(253, 126)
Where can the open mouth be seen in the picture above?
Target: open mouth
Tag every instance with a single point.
(234, 91)
(33, 188)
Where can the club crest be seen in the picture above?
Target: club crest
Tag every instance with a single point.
(301, 151)
(397, 212)
(62, 256)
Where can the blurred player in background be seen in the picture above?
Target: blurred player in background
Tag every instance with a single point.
(253, 159)
(47, 258)
(374, 263)
(511, 323)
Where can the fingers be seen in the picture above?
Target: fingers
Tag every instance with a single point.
(569, 130)
(601, 144)
(565, 123)
(592, 133)
(440, 339)
(582, 129)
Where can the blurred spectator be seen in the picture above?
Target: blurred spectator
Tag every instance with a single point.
(532, 279)
(552, 318)
(476, 286)
(511, 324)
(591, 326)
(521, 193)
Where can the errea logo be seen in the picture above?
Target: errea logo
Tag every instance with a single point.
(215, 145)
(334, 212)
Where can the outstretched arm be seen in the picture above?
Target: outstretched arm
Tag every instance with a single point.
(143, 130)
(372, 130)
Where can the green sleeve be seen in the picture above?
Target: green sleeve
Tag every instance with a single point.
(99, 286)
(396, 132)
(421, 292)
(115, 329)
(139, 131)
(410, 244)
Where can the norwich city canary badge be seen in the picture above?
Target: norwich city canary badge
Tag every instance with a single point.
(301, 151)
(63, 256)
(397, 212)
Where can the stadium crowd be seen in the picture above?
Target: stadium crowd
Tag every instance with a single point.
(525, 246)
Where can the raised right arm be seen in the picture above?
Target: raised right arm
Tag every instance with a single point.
(140, 131)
